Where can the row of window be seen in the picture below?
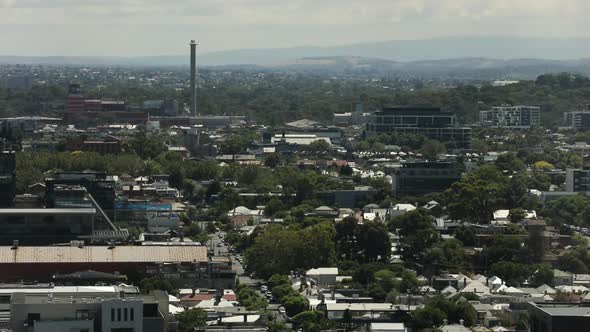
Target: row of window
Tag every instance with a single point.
(128, 314)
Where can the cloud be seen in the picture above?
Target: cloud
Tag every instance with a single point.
(223, 24)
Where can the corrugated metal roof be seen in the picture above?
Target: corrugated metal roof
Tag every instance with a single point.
(96, 254)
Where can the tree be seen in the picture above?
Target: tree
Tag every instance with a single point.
(278, 280)
(543, 276)
(373, 241)
(312, 321)
(346, 241)
(466, 234)
(431, 149)
(295, 304)
(190, 319)
(250, 299)
(428, 317)
(512, 273)
(147, 146)
(417, 234)
(477, 195)
(272, 160)
(516, 215)
(273, 206)
(157, 283)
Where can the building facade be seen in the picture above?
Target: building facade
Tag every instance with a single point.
(7, 178)
(514, 117)
(577, 180)
(424, 177)
(578, 120)
(429, 122)
(40, 313)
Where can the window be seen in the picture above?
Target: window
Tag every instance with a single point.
(131, 312)
(112, 315)
(125, 314)
(119, 314)
(32, 317)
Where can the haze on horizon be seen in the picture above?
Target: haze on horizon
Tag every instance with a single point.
(157, 27)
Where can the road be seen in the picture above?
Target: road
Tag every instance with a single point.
(221, 249)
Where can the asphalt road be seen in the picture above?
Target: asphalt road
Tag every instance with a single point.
(220, 249)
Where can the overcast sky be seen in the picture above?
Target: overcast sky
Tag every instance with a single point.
(155, 27)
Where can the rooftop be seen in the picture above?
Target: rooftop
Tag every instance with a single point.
(102, 254)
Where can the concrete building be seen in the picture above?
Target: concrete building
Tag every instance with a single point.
(323, 276)
(577, 180)
(514, 117)
(557, 317)
(430, 122)
(120, 313)
(424, 177)
(7, 178)
(45, 226)
(578, 120)
(98, 184)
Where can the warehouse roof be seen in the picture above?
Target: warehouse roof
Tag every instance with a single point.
(100, 254)
(44, 211)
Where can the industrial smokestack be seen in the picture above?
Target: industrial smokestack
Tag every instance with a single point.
(193, 46)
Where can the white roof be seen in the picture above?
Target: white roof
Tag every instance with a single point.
(174, 310)
(513, 290)
(449, 290)
(323, 271)
(404, 207)
(240, 319)
(211, 304)
(388, 327)
(501, 214)
(546, 288)
(475, 287)
(62, 290)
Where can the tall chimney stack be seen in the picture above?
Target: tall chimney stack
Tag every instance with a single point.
(193, 46)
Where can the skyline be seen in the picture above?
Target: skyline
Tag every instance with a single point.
(150, 27)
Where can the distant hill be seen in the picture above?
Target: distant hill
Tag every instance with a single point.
(397, 50)
(465, 57)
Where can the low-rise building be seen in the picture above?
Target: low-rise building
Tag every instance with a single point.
(40, 313)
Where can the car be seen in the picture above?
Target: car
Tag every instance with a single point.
(264, 288)
(219, 245)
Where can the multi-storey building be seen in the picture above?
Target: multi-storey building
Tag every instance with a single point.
(98, 184)
(577, 180)
(7, 178)
(424, 177)
(515, 117)
(430, 122)
(578, 120)
(121, 313)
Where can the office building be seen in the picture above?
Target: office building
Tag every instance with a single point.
(578, 120)
(45, 226)
(577, 180)
(512, 117)
(17, 83)
(75, 98)
(168, 107)
(557, 317)
(51, 312)
(97, 184)
(429, 122)
(424, 177)
(7, 178)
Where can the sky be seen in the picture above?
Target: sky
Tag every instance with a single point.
(158, 27)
